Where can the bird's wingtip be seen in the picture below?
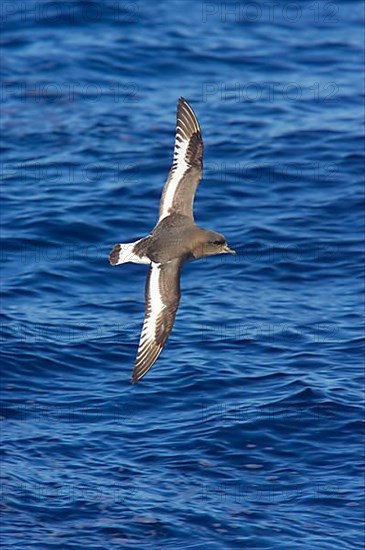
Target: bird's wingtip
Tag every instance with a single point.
(134, 378)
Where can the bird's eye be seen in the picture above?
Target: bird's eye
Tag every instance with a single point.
(217, 242)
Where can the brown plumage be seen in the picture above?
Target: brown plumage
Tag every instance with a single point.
(174, 240)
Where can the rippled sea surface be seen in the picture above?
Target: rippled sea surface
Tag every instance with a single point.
(248, 431)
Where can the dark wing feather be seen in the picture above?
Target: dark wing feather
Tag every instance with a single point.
(187, 167)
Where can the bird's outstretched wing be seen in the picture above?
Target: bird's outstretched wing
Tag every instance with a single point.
(162, 298)
(187, 167)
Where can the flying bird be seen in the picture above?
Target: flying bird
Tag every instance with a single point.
(175, 240)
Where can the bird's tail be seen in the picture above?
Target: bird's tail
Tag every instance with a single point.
(124, 252)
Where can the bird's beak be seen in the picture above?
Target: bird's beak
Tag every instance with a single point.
(228, 250)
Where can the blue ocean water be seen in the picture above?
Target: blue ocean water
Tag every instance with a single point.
(248, 431)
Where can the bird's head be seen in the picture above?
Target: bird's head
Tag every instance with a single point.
(211, 243)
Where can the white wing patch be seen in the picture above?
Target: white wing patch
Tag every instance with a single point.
(179, 168)
(156, 304)
(149, 349)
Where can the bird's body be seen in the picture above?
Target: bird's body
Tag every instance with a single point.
(175, 240)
